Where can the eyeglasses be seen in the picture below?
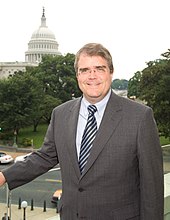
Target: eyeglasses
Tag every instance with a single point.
(96, 69)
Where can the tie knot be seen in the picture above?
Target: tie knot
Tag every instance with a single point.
(92, 109)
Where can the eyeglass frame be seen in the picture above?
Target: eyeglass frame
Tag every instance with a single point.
(87, 70)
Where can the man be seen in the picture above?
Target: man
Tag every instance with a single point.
(121, 175)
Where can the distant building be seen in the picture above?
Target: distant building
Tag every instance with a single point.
(42, 42)
(121, 92)
(9, 68)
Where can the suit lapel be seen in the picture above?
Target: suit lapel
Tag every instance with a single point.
(110, 121)
(72, 129)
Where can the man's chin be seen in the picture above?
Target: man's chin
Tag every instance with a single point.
(94, 98)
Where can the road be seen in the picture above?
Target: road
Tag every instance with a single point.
(39, 190)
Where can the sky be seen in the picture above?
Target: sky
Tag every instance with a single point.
(134, 31)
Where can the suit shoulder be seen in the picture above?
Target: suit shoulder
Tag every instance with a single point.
(67, 105)
(130, 105)
(136, 103)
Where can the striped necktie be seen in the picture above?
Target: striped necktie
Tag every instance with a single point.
(88, 137)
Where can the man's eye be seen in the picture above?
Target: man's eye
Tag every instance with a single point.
(84, 70)
(100, 69)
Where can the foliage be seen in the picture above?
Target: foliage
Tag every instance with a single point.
(20, 94)
(49, 104)
(151, 85)
(58, 77)
(155, 90)
(36, 137)
(120, 84)
(133, 85)
(164, 141)
(27, 98)
(27, 142)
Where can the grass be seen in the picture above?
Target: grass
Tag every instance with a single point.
(164, 141)
(37, 136)
(165, 150)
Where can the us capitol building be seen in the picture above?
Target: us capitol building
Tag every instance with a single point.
(42, 42)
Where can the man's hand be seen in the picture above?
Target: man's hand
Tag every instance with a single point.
(2, 179)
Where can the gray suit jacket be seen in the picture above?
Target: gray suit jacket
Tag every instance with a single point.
(123, 178)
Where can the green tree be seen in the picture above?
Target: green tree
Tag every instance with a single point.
(134, 85)
(120, 84)
(58, 77)
(155, 90)
(29, 97)
(49, 104)
(21, 93)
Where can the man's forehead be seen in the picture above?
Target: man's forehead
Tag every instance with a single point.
(91, 60)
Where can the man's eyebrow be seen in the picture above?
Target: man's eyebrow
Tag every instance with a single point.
(84, 68)
(102, 66)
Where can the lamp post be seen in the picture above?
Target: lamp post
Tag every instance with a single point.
(8, 202)
(24, 206)
(15, 138)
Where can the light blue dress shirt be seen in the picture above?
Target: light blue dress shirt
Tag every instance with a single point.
(83, 115)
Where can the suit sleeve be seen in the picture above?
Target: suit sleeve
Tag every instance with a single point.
(36, 164)
(150, 169)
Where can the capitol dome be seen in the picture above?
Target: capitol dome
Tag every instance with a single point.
(43, 32)
(43, 42)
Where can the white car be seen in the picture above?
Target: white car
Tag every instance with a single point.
(5, 158)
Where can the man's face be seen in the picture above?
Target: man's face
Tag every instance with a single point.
(94, 77)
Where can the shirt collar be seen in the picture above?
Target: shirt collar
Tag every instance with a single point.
(100, 105)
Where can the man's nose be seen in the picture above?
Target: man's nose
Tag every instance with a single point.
(92, 71)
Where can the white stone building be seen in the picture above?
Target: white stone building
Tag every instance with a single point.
(9, 68)
(42, 42)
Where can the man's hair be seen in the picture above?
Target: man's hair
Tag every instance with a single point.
(94, 49)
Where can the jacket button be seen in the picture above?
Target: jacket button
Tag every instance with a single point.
(81, 189)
